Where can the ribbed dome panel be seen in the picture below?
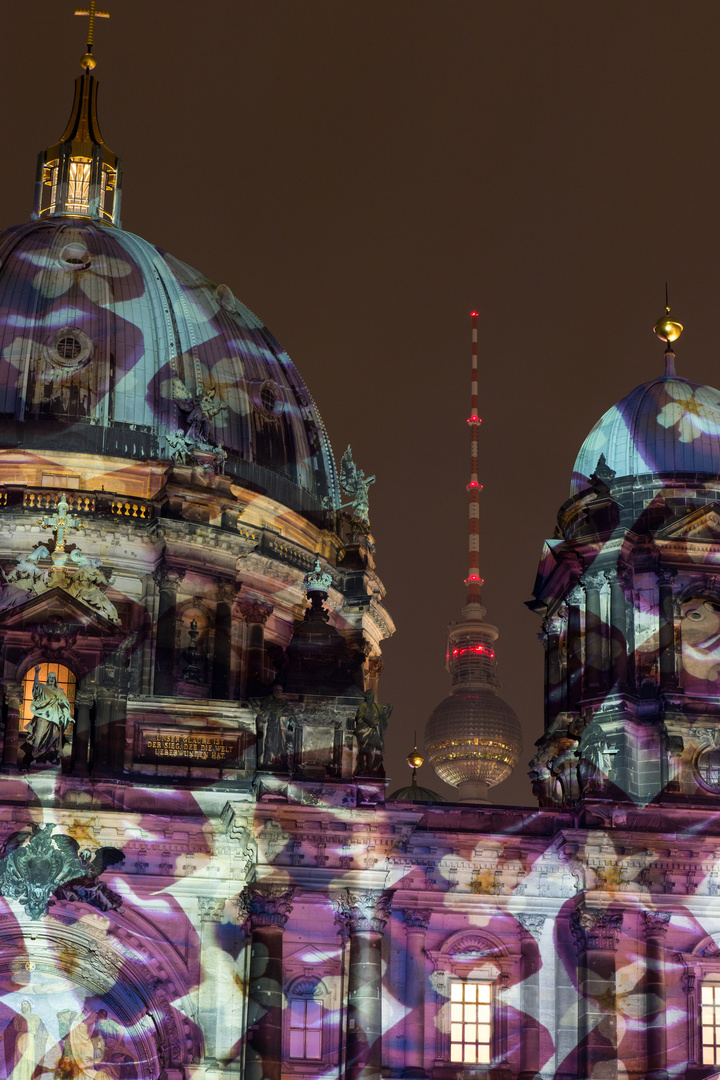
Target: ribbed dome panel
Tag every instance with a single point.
(665, 426)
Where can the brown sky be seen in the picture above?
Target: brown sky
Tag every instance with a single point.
(362, 174)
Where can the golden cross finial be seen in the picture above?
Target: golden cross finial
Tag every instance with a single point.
(92, 13)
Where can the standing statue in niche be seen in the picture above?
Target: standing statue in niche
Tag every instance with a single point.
(371, 721)
(276, 719)
(24, 1042)
(356, 485)
(50, 716)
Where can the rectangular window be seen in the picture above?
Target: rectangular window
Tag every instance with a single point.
(471, 1022)
(710, 1021)
(305, 1029)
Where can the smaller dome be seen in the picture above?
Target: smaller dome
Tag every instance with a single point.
(473, 736)
(665, 426)
(416, 794)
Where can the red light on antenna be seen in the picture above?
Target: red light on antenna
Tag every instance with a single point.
(474, 314)
(473, 484)
(473, 578)
(474, 419)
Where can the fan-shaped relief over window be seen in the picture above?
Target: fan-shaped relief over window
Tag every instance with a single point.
(700, 635)
(47, 711)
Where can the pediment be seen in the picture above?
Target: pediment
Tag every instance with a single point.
(55, 606)
(701, 524)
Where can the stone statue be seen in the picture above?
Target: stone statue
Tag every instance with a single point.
(371, 721)
(355, 484)
(24, 1042)
(200, 410)
(86, 584)
(180, 446)
(276, 718)
(51, 714)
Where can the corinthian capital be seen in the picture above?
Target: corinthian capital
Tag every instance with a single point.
(415, 918)
(368, 909)
(269, 905)
(656, 923)
(255, 611)
(168, 577)
(596, 929)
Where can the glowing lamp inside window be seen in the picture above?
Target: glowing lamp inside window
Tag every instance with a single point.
(470, 1022)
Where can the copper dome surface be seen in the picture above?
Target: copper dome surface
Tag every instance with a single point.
(101, 333)
(665, 426)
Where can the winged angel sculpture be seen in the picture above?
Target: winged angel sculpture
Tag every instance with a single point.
(36, 865)
(355, 484)
(200, 408)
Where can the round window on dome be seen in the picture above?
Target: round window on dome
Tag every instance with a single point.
(70, 348)
(226, 298)
(708, 769)
(74, 257)
(269, 398)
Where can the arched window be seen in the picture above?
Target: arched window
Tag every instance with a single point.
(306, 1020)
(65, 680)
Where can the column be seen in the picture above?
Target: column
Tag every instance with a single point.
(81, 734)
(416, 923)
(221, 659)
(667, 628)
(367, 912)
(618, 580)
(255, 613)
(167, 579)
(555, 689)
(594, 632)
(597, 935)
(270, 907)
(574, 648)
(655, 926)
(213, 1010)
(11, 735)
(531, 929)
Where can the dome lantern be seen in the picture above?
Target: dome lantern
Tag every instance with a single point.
(79, 176)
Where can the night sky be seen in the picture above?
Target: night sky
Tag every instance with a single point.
(363, 174)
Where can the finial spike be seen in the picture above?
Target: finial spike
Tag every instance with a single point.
(474, 581)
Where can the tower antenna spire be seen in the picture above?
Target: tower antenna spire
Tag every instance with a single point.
(474, 582)
(88, 60)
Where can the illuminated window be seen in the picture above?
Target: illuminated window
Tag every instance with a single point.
(710, 1019)
(305, 1027)
(65, 680)
(471, 1022)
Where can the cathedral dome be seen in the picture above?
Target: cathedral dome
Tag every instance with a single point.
(114, 342)
(665, 426)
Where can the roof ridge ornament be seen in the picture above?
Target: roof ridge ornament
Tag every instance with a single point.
(668, 331)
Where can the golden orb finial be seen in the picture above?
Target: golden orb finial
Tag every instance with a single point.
(88, 62)
(666, 328)
(414, 758)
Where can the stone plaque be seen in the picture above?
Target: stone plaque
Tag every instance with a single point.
(174, 746)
